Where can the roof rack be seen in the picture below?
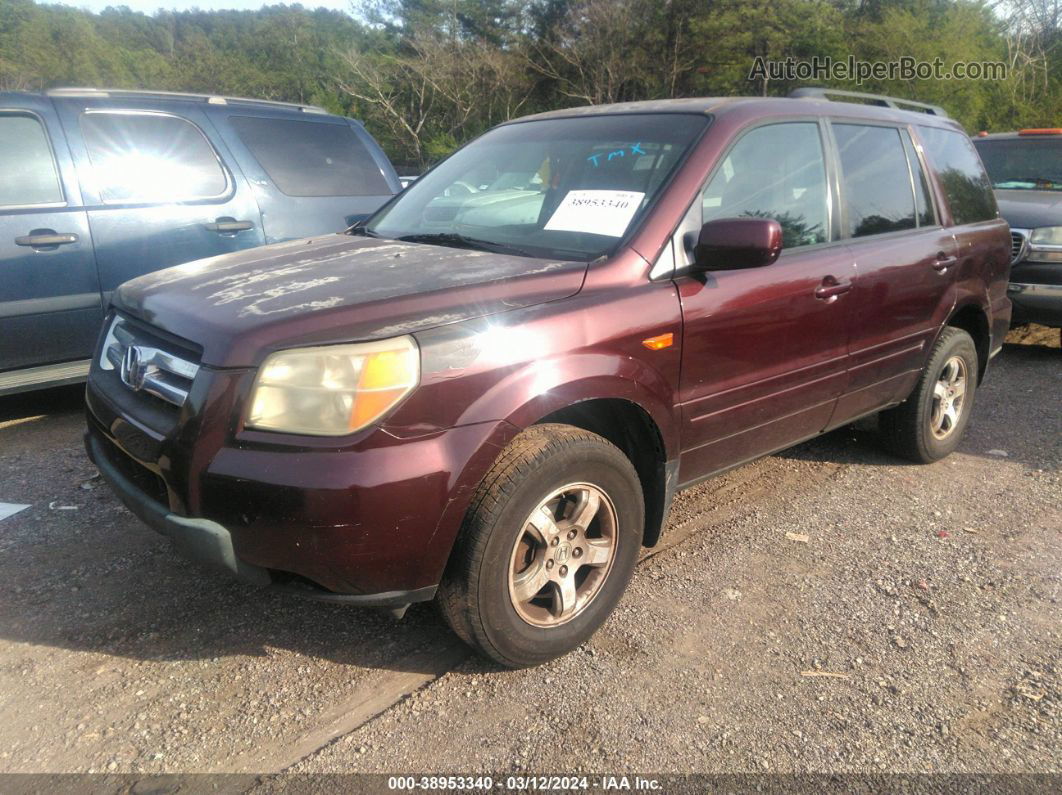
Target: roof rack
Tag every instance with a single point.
(210, 99)
(870, 99)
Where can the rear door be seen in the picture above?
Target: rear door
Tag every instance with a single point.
(160, 190)
(312, 174)
(981, 236)
(49, 290)
(764, 349)
(904, 258)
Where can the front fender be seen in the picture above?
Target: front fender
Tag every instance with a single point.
(516, 369)
(539, 388)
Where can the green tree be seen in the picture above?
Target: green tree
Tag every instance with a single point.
(426, 75)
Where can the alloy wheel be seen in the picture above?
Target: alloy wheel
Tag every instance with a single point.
(949, 395)
(563, 555)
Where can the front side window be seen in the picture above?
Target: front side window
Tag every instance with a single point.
(26, 163)
(150, 157)
(966, 186)
(1025, 163)
(306, 158)
(560, 188)
(777, 171)
(877, 181)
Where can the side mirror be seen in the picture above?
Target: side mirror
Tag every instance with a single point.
(731, 243)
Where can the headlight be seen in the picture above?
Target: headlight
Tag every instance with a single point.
(334, 389)
(1046, 236)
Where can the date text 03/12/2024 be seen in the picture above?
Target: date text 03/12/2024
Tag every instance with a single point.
(524, 783)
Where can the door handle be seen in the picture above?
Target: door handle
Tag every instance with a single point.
(45, 238)
(228, 226)
(831, 288)
(943, 262)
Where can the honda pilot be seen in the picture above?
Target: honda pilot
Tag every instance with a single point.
(489, 392)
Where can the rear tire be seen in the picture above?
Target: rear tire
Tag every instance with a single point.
(929, 425)
(547, 547)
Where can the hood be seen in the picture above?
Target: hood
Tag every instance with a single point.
(240, 307)
(1028, 209)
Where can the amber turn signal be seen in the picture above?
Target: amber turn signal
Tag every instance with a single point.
(660, 341)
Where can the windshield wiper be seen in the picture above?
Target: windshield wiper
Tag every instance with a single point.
(360, 229)
(455, 240)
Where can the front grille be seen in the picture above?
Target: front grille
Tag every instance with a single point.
(147, 362)
(1019, 243)
(148, 481)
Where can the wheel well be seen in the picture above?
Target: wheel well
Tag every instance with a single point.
(972, 320)
(633, 431)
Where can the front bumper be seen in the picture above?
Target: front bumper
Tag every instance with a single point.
(210, 544)
(365, 520)
(1036, 303)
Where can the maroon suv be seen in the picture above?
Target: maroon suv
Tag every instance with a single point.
(489, 393)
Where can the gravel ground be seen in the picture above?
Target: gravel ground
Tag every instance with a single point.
(826, 609)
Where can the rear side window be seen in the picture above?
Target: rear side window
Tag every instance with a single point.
(966, 186)
(877, 180)
(26, 163)
(776, 171)
(306, 158)
(150, 157)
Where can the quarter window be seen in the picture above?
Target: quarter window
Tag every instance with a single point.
(963, 178)
(308, 158)
(877, 180)
(151, 157)
(777, 171)
(26, 163)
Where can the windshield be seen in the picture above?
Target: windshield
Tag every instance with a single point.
(557, 188)
(1023, 163)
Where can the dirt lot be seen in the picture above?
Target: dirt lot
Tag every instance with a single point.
(826, 609)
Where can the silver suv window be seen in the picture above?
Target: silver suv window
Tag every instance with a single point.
(307, 158)
(26, 162)
(140, 156)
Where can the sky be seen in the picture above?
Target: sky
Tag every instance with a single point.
(150, 6)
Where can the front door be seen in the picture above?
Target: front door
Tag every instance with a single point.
(50, 308)
(764, 350)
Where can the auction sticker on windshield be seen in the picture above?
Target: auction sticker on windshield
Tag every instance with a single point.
(601, 212)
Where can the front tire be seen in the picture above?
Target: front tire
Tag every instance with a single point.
(547, 548)
(929, 425)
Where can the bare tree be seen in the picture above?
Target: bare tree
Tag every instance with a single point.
(593, 54)
(398, 97)
(440, 87)
(14, 79)
(481, 85)
(1033, 36)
